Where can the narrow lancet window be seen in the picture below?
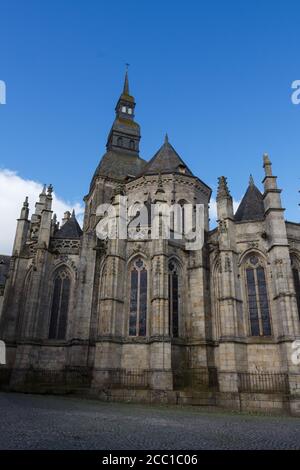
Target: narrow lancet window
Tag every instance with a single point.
(138, 299)
(257, 297)
(173, 300)
(60, 305)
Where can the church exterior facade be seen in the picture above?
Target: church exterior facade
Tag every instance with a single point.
(147, 319)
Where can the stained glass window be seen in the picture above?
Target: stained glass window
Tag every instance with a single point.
(138, 299)
(252, 303)
(258, 304)
(60, 306)
(173, 300)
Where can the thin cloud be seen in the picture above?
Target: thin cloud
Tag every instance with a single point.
(13, 190)
(213, 211)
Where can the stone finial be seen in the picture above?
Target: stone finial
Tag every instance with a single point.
(43, 195)
(266, 159)
(50, 190)
(25, 209)
(66, 217)
(166, 138)
(267, 165)
(251, 181)
(223, 191)
(73, 214)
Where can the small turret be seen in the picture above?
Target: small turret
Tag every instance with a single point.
(45, 225)
(224, 200)
(272, 199)
(22, 229)
(25, 210)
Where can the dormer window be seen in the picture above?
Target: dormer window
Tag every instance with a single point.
(181, 169)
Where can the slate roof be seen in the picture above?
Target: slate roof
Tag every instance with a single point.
(166, 160)
(119, 164)
(70, 229)
(4, 267)
(251, 207)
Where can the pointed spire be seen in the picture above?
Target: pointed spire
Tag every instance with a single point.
(25, 210)
(223, 191)
(166, 139)
(251, 180)
(43, 195)
(126, 82)
(73, 214)
(125, 132)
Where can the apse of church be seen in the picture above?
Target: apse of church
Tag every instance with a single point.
(146, 319)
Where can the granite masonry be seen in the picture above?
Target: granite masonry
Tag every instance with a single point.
(147, 319)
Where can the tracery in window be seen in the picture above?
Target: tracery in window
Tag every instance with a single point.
(60, 305)
(257, 297)
(138, 299)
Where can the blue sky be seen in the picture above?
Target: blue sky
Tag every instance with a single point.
(216, 75)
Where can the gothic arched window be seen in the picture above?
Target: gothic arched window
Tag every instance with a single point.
(138, 299)
(257, 297)
(173, 300)
(60, 305)
(131, 144)
(296, 277)
(120, 141)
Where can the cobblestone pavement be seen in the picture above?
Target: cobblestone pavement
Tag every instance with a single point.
(51, 422)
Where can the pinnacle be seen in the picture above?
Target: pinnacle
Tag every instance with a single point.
(223, 191)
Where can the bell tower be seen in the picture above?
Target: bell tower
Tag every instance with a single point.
(125, 132)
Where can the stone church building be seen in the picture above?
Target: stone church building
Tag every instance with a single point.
(149, 320)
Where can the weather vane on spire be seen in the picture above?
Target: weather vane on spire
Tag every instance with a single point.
(127, 65)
